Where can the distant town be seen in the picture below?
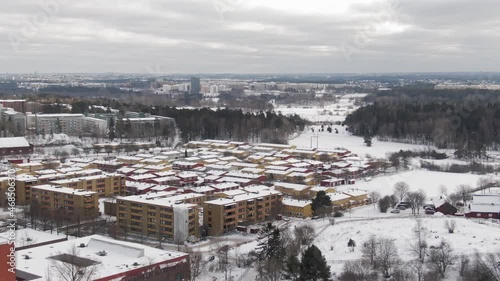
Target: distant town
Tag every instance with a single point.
(123, 185)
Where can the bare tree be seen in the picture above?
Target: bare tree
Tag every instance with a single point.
(440, 258)
(179, 239)
(401, 189)
(420, 199)
(224, 264)
(401, 273)
(450, 225)
(412, 198)
(196, 259)
(418, 269)
(357, 271)
(304, 234)
(370, 249)
(419, 247)
(387, 257)
(443, 190)
(70, 266)
(486, 266)
(464, 191)
(75, 151)
(374, 196)
(464, 265)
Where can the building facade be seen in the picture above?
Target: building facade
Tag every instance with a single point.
(158, 215)
(15, 146)
(225, 214)
(68, 203)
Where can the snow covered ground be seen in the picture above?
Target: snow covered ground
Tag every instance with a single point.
(332, 112)
(344, 139)
(469, 237)
(430, 182)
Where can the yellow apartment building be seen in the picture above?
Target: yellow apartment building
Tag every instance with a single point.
(158, 216)
(65, 202)
(225, 214)
(297, 208)
(106, 185)
(293, 189)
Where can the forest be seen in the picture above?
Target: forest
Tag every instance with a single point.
(204, 123)
(465, 120)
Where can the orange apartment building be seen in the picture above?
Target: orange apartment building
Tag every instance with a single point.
(225, 214)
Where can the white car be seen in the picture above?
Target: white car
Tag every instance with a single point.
(395, 211)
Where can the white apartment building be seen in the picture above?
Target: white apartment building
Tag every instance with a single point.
(66, 123)
(70, 124)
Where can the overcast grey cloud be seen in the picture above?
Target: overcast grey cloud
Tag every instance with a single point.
(249, 36)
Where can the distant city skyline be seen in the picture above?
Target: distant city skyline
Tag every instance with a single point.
(249, 36)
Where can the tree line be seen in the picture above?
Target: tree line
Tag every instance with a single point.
(204, 123)
(455, 119)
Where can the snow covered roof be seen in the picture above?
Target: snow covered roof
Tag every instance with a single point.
(296, 203)
(293, 186)
(337, 196)
(119, 256)
(13, 142)
(163, 199)
(485, 208)
(242, 197)
(60, 189)
(355, 192)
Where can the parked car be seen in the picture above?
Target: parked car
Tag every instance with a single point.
(395, 211)
(429, 212)
(286, 219)
(402, 208)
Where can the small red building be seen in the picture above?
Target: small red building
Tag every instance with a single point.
(15, 146)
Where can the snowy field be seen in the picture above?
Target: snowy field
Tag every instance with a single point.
(430, 182)
(469, 237)
(332, 112)
(379, 149)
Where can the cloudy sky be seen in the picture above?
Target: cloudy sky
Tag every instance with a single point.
(249, 36)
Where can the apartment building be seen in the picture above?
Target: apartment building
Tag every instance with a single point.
(158, 215)
(70, 124)
(105, 185)
(297, 208)
(114, 260)
(95, 126)
(225, 214)
(293, 189)
(24, 183)
(66, 202)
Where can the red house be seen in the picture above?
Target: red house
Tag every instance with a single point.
(486, 206)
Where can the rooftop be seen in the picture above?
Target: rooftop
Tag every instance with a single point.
(13, 142)
(60, 189)
(117, 257)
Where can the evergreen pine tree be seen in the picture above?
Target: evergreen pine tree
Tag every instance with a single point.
(313, 266)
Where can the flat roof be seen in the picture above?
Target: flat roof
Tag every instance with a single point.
(293, 186)
(61, 189)
(119, 256)
(295, 203)
(162, 199)
(242, 197)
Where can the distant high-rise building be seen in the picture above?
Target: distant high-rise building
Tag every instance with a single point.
(195, 85)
